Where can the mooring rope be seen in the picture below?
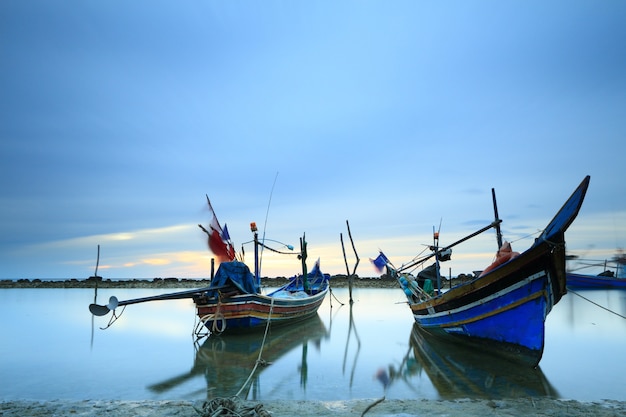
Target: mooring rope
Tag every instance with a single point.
(596, 304)
(333, 296)
(258, 360)
(113, 319)
(372, 405)
(218, 316)
(234, 406)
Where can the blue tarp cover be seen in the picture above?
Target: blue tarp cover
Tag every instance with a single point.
(315, 277)
(238, 274)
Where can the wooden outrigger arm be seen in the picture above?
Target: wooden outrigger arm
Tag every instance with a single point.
(495, 223)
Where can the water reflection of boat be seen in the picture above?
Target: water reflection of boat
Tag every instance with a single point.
(460, 371)
(227, 361)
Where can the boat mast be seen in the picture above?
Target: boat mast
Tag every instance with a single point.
(497, 220)
(436, 250)
(254, 230)
(303, 256)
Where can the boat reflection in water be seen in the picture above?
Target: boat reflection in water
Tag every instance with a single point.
(228, 361)
(462, 371)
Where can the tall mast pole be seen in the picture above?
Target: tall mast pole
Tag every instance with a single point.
(254, 229)
(497, 218)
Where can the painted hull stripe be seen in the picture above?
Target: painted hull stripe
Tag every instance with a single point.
(490, 313)
(493, 296)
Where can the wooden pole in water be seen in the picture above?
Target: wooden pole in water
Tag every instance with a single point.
(350, 275)
(343, 249)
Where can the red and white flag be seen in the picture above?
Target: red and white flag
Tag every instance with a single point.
(219, 239)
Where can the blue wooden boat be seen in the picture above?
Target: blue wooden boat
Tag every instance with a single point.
(575, 280)
(613, 273)
(503, 310)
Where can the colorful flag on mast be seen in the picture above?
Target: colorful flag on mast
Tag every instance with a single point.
(219, 239)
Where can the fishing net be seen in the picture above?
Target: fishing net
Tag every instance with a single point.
(230, 407)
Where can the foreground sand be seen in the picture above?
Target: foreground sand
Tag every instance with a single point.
(400, 408)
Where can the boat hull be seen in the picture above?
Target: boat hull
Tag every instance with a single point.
(509, 305)
(247, 312)
(594, 281)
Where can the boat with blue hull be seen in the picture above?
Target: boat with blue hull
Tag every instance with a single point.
(613, 273)
(595, 281)
(235, 307)
(503, 309)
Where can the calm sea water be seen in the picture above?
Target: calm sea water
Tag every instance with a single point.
(52, 348)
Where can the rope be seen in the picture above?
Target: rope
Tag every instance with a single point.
(267, 213)
(230, 407)
(218, 316)
(372, 405)
(334, 296)
(525, 237)
(258, 360)
(277, 251)
(596, 304)
(234, 407)
(200, 329)
(113, 318)
(219, 322)
(215, 328)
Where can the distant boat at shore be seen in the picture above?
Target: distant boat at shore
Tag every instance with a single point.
(613, 274)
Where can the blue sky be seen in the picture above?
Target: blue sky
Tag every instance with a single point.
(116, 118)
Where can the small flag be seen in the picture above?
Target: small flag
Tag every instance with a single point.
(225, 235)
(380, 262)
(219, 239)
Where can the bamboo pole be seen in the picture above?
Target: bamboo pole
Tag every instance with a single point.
(350, 275)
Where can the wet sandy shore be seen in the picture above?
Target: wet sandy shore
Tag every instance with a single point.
(368, 407)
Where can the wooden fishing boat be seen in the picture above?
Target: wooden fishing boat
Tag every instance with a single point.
(234, 302)
(237, 304)
(613, 275)
(504, 309)
(575, 280)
